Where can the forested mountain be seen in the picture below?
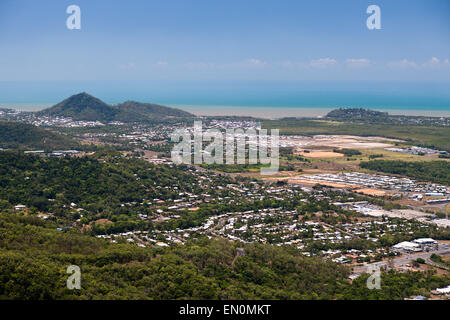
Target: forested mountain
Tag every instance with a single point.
(152, 110)
(34, 257)
(83, 106)
(15, 135)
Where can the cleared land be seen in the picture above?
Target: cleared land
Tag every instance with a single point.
(301, 181)
(371, 192)
(321, 154)
(338, 141)
(431, 136)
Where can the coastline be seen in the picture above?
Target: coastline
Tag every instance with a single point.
(264, 112)
(280, 112)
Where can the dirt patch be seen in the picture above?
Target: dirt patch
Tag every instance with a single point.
(371, 192)
(321, 154)
(366, 219)
(336, 141)
(324, 183)
(150, 154)
(425, 267)
(102, 222)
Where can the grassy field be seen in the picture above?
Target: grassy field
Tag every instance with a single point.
(430, 136)
(387, 155)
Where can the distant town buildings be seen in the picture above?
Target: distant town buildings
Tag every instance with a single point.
(416, 245)
(416, 150)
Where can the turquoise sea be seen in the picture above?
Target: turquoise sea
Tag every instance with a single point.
(217, 96)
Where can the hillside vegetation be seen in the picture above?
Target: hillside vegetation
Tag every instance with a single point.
(347, 114)
(34, 257)
(361, 115)
(86, 107)
(15, 135)
(100, 187)
(151, 110)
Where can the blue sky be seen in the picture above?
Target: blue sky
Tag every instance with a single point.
(200, 40)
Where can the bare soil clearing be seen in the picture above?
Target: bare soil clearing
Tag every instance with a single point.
(321, 154)
(371, 192)
(338, 141)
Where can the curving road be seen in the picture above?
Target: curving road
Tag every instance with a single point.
(402, 260)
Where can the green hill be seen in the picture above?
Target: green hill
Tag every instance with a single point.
(15, 135)
(82, 107)
(152, 110)
(85, 107)
(348, 114)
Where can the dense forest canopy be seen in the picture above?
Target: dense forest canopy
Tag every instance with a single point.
(107, 185)
(34, 257)
(85, 180)
(15, 135)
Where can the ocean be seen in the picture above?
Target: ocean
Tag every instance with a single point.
(272, 99)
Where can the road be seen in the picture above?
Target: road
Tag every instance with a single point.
(402, 260)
